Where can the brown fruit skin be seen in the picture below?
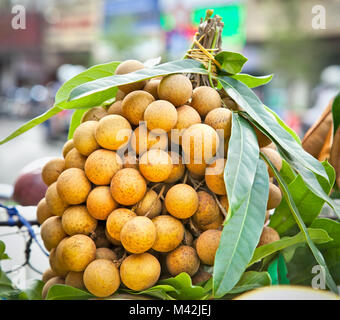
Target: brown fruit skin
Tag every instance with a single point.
(178, 168)
(73, 186)
(181, 201)
(120, 95)
(100, 203)
(140, 271)
(216, 224)
(52, 170)
(220, 119)
(160, 116)
(116, 220)
(77, 220)
(52, 232)
(84, 138)
(149, 205)
(94, 114)
(262, 139)
(113, 132)
(49, 284)
(214, 177)
(48, 274)
(152, 87)
(182, 259)
(268, 235)
(54, 202)
(57, 264)
(130, 161)
(101, 278)
(105, 253)
(208, 210)
(67, 147)
(75, 280)
(176, 89)
(207, 244)
(128, 186)
(138, 234)
(197, 169)
(204, 99)
(128, 66)
(201, 276)
(134, 105)
(112, 240)
(274, 157)
(74, 159)
(169, 233)
(155, 165)
(274, 197)
(99, 236)
(43, 212)
(230, 103)
(77, 252)
(116, 108)
(186, 116)
(102, 165)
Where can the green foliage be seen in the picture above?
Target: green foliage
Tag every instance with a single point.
(33, 292)
(64, 292)
(336, 112)
(252, 81)
(231, 62)
(75, 121)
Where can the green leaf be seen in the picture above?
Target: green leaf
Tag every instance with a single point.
(75, 121)
(252, 81)
(273, 271)
(333, 229)
(286, 172)
(64, 292)
(33, 292)
(3, 255)
(96, 92)
(251, 280)
(158, 291)
(336, 113)
(294, 210)
(231, 62)
(332, 257)
(317, 236)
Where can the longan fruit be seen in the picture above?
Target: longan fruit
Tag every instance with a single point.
(216, 224)
(268, 235)
(78, 251)
(99, 236)
(150, 204)
(102, 165)
(274, 157)
(169, 233)
(105, 253)
(52, 170)
(208, 210)
(67, 147)
(204, 99)
(75, 280)
(112, 240)
(220, 119)
(76, 219)
(274, 197)
(84, 138)
(160, 116)
(207, 245)
(152, 87)
(74, 159)
(100, 203)
(48, 274)
(57, 264)
(134, 105)
(94, 114)
(130, 161)
(138, 234)
(129, 66)
(178, 168)
(262, 139)
(200, 143)
(155, 165)
(175, 88)
(182, 259)
(49, 284)
(120, 95)
(116, 220)
(54, 202)
(200, 277)
(52, 232)
(214, 176)
(113, 132)
(140, 271)
(116, 108)
(186, 116)
(181, 201)
(188, 238)
(224, 202)
(43, 212)
(128, 186)
(73, 186)
(230, 103)
(197, 169)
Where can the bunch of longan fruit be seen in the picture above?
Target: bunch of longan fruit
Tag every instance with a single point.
(139, 194)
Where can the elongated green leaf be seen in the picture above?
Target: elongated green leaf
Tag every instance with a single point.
(158, 291)
(241, 234)
(286, 172)
(96, 92)
(231, 62)
(332, 257)
(333, 229)
(252, 81)
(251, 280)
(75, 121)
(33, 292)
(317, 236)
(336, 113)
(294, 210)
(64, 292)
(2, 250)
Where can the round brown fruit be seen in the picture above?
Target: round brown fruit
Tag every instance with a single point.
(48, 274)
(207, 244)
(56, 263)
(120, 95)
(75, 280)
(102, 165)
(43, 212)
(150, 205)
(106, 253)
(220, 119)
(208, 210)
(54, 203)
(169, 233)
(128, 66)
(52, 170)
(73, 186)
(52, 232)
(204, 99)
(274, 197)
(53, 281)
(113, 132)
(140, 271)
(67, 147)
(224, 202)
(197, 169)
(182, 259)
(84, 138)
(94, 114)
(176, 89)
(152, 87)
(274, 157)
(99, 236)
(268, 235)
(74, 159)
(116, 220)
(178, 168)
(138, 234)
(214, 176)
(128, 186)
(130, 161)
(181, 201)
(101, 278)
(262, 139)
(100, 203)
(116, 108)
(216, 224)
